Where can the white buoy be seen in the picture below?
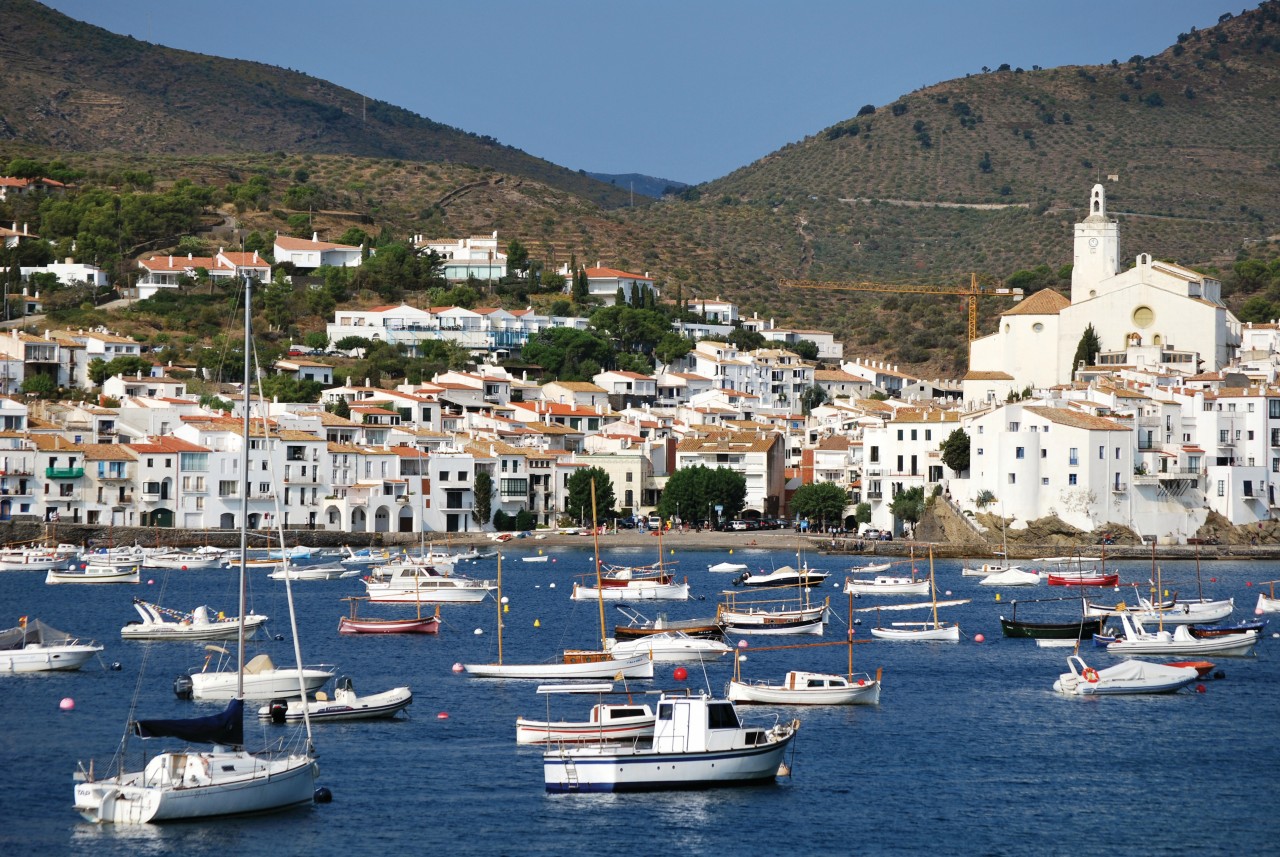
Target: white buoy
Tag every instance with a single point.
(551, 586)
(505, 600)
(478, 631)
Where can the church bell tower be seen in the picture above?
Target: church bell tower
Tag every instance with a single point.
(1097, 248)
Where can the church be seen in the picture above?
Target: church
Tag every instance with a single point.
(1155, 315)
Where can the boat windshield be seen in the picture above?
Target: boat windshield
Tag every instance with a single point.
(721, 715)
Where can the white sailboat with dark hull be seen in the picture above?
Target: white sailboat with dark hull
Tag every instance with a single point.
(224, 779)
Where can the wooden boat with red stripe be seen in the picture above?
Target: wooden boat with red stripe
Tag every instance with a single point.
(419, 624)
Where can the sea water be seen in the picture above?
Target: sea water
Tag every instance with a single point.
(969, 751)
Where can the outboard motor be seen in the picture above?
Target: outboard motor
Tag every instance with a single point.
(278, 709)
(183, 687)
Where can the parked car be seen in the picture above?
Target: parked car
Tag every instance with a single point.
(738, 525)
(655, 522)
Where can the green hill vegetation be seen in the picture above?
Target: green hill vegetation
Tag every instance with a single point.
(985, 174)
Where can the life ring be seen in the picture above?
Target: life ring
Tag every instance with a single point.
(1090, 675)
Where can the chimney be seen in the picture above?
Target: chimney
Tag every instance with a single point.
(170, 260)
(315, 236)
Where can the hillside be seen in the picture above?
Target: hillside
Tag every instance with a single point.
(984, 174)
(73, 87)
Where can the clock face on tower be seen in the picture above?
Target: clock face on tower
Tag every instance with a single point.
(1093, 243)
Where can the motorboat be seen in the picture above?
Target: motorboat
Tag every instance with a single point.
(1011, 576)
(799, 687)
(783, 576)
(34, 647)
(322, 571)
(94, 573)
(1236, 627)
(641, 626)
(355, 624)
(365, 556)
(227, 779)
(872, 568)
(1126, 677)
(125, 556)
(411, 582)
(607, 721)
(162, 623)
(345, 705)
(671, 647)
(1137, 640)
(262, 678)
(1171, 611)
(727, 567)
(884, 584)
(697, 742)
(30, 559)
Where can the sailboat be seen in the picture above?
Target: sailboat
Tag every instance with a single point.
(800, 687)
(930, 630)
(203, 783)
(634, 583)
(575, 663)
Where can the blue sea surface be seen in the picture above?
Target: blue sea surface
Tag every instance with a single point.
(969, 752)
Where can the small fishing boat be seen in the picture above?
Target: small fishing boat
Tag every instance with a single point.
(162, 623)
(538, 558)
(671, 647)
(929, 631)
(1268, 602)
(34, 647)
(781, 617)
(1082, 579)
(1171, 611)
(1126, 677)
(633, 590)
(1234, 628)
(30, 559)
(641, 626)
(345, 705)
(93, 573)
(800, 687)
(1082, 627)
(727, 567)
(872, 568)
(883, 584)
(182, 560)
(697, 742)
(608, 721)
(355, 624)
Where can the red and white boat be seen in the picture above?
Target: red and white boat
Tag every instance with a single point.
(419, 624)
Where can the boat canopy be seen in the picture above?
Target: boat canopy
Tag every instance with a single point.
(33, 632)
(225, 728)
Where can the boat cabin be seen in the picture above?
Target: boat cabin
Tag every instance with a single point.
(798, 680)
(696, 724)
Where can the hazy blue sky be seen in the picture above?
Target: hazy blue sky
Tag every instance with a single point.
(678, 89)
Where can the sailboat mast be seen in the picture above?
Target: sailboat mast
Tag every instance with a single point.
(244, 486)
(499, 606)
(933, 589)
(595, 537)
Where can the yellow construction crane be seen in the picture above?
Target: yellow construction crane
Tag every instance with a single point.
(974, 292)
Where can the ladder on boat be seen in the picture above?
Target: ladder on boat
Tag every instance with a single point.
(570, 772)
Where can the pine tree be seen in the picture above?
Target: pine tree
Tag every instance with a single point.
(1087, 350)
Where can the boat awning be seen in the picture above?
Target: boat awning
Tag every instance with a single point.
(575, 688)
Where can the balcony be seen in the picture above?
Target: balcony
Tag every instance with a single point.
(114, 477)
(875, 495)
(63, 472)
(1119, 487)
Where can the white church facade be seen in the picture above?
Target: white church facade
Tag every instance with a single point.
(1154, 315)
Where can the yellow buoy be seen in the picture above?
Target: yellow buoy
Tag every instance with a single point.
(537, 623)
(730, 550)
(673, 551)
(506, 608)
(997, 596)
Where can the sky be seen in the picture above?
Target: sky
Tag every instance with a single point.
(682, 90)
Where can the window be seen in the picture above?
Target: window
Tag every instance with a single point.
(1117, 453)
(1013, 478)
(1013, 427)
(1102, 453)
(444, 476)
(913, 434)
(194, 461)
(462, 476)
(1222, 436)
(1071, 478)
(1273, 409)
(979, 450)
(1044, 480)
(1020, 452)
(1073, 457)
(875, 455)
(628, 475)
(1222, 488)
(899, 434)
(1044, 453)
(1249, 435)
(928, 434)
